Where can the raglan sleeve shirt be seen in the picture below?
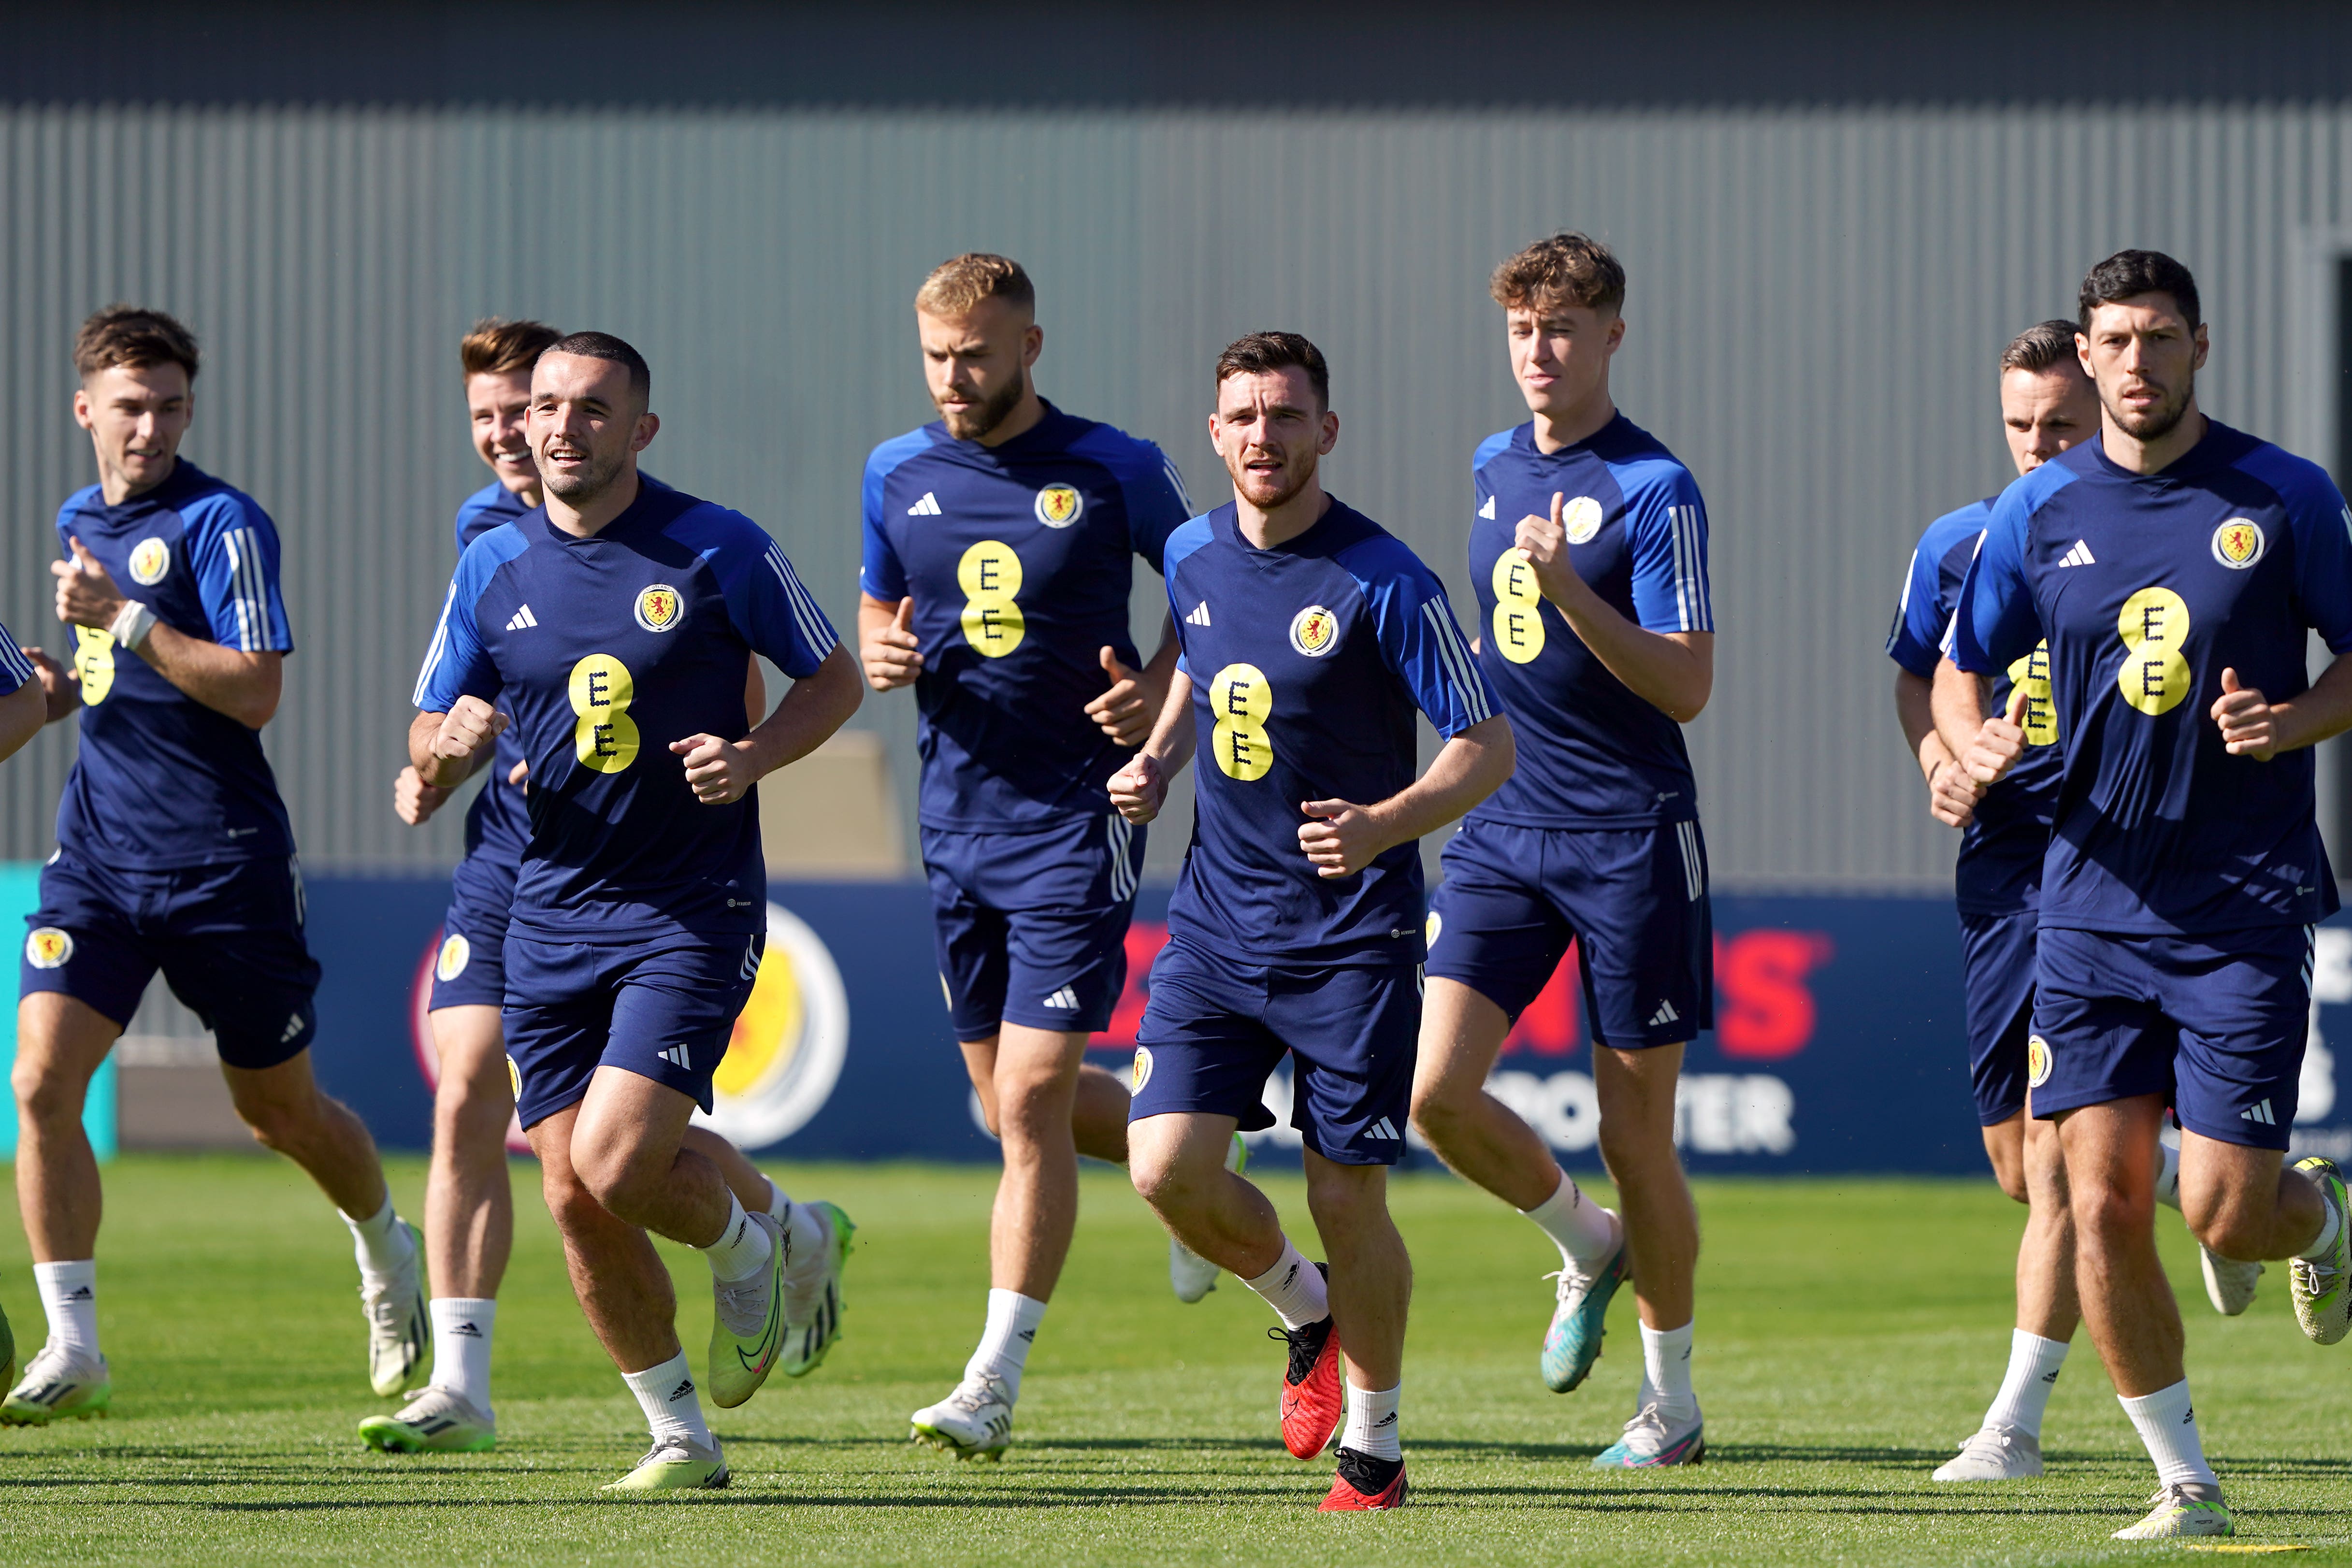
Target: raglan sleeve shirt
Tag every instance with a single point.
(456, 665)
(1665, 524)
(1424, 646)
(233, 549)
(1915, 642)
(880, 573)
(770, 607)
(1995, 622)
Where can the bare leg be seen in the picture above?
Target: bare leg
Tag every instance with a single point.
(2127, 1303)
(2004, 1144)
(1028, 1083)
(1477, 1135)
(1178, 1165)
(287, 1112)
(1371, 1276)
(2046, 1302)
(1636, 1090)
(752, 1189)
(469, 1197)
(59, 1044)
(628, 1146)
(622, 1288)
(2242, 1203)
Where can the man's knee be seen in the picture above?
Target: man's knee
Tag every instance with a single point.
(1442, 1106)
(466, 1102)
(1031, 1107)
(1159, 1164)
(1343, 1198)
(2106, 1214)
(1631, 1140)
(46, 1094)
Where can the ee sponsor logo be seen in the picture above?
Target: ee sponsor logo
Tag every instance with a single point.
(1241, 700)
(94, 662)
(1518, 609)
(2154, 626)
(2033, 673)
(990, 576)
(606, 737)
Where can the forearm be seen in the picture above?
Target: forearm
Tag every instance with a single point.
(1467, 770)
(812, 709)
(243, 686)
(1915, 709)
(1957, 704)
(1673, 672)
(2319, 714)
(1172, 735)
(22, 714)
(441, 772)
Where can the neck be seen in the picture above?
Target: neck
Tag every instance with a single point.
(530, 495)
(1020, 422)
(588, 518)
(2134, 456)
(1564, 427)
(116, 486)
(1267, 527)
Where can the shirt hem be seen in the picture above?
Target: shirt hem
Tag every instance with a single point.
(1568, 824)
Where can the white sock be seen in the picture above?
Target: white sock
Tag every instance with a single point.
(381, 1242)
(2034, 1364)
(69, 1297)
(1582, 1230)
(780, 1206)
(666, 1393)
(2168, 1176)
(742, 1249)
(2169, 1426)
(1294, 1288)
(2330, 1222)
(805, 1238)
(1372, 1426)
(461, 1346)
(1665, 1363)
(1012, 1320)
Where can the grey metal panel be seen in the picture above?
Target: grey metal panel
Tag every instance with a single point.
(1818, 297)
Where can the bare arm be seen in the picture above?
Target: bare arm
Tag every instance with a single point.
(886, 645)
(1986, 746)
(243, 686)
(813, 707)
(2252, 726)
(444, 747)
(1674, 672)
(22, 714)
(1952, 799)
(1141, 789)
(1129, 709)
(1342, 839)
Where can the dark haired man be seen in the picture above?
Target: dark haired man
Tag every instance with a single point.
(173, 853)
(1000, 549)
(2174, 566)
(616, 622)
(1588, 550)
(468, 1200)
(1311, 638)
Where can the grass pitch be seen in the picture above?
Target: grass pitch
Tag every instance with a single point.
(1850, 1333)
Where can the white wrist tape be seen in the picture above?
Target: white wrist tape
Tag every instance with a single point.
(132, 624)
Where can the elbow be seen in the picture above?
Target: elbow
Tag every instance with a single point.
(1688, 705)
(256, 711)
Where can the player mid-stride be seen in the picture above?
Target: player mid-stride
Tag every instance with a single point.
(1000, 549)
(1311, 638)
(23, 708)
(611, 626)
(1588, 550)
(2175, 566)
(173, 853)
(468, 1201)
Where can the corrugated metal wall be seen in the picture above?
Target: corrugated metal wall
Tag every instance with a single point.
(1818, 297)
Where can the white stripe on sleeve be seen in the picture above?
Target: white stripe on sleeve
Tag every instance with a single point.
(434, 649)
(13, 660)
(814, 628)
(1455, 654)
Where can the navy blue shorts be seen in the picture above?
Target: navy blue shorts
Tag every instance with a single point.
(2218, 1027)
(1997, 964)
(1633, 900)
(229, 939)
(470, 970)
(1215, 1029)
(1031, 927)
(663, 1009)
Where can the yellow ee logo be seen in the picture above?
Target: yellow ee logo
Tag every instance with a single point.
(1241, 702)
(2033, 673)
(94, 662)
(150, 558)
(2154, 626)
(1518, 609)
(659, 607)
(990, 575)
(606, 737)
(1059, 506)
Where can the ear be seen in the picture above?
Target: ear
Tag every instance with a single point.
(648, 426)
(1615, 335)
(1032, 343)
(1330, 433)
(2204, 347)
(81, 407)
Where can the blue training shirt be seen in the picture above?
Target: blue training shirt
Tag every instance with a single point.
(15, 668)
(603, 650)
(1592, 753)
(1020, 559)
(1999, 869)
(1307, 661)
(2147, 587)
(163, 782)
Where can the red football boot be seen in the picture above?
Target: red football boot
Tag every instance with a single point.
(1312, 1400)
(1365, 1485)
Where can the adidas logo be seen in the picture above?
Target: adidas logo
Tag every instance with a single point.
(467, 1330)
(1065, 998)
(2259, 1112)
(522, 619)
(1383, 1128)
(1664, 1014)
(2079, 556)
(929, 506)
(676, 1056)
(2049, 1378)
(1387, 1420)
(293, 1027)
(82, 1294)
(1027, 1336)
(1487, 511)
(681, 1391)
(1200, 616)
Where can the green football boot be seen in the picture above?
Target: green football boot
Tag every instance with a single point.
(814, 1306)
(436, 1422)
(2180, 1513)
(674, 1464)
(747, 1325)
(399, 1330)
(2323, 1304)
(57, 1387)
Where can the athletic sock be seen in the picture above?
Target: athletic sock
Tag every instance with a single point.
(804, 1240)
(2169, 1426)
(69, 1297)
(780, 1206)
(1665, 1363)
(1582, 1230)
(1294, 1288)
(381, 1242)
(666, 1393)
(742, 1249)
(461, 1346)
(1372, 1426)
(1012, 1320)
(2168, 1176)
(2330, 1222)
(2034, 1364)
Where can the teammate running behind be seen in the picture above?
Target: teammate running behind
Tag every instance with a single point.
(614, 625)
(173, 853)
(2174, 566)
(1588, 551)
(1311, 637)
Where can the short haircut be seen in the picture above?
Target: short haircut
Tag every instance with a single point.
(1261, 353)
(135, 336)
(2133, 272)
(604, 345)
(498, 347)
(961, 282)
(1566, 269)
(2041, 347)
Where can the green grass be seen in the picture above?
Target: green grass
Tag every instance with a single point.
(1850, 1333)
